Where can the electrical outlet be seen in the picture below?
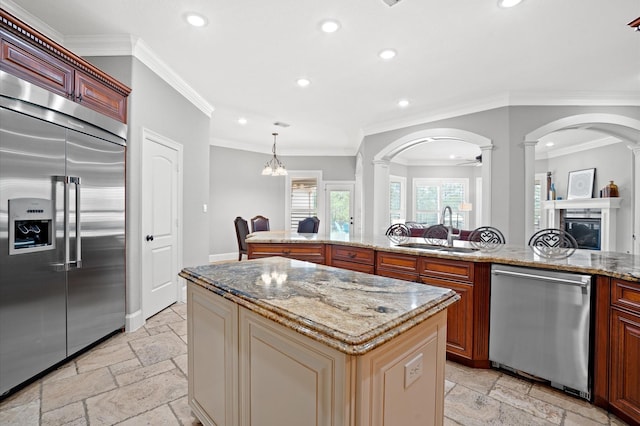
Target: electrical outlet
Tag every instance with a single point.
(204, 208)
(412, 371)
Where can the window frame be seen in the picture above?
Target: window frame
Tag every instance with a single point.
(402, 212)
(320, 205)
(438, 182)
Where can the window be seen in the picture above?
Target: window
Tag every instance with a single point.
(397, 199)
(302, 197)
(304, 200)
(431, 196)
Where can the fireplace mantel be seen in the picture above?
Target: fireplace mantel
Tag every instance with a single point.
(607, 206)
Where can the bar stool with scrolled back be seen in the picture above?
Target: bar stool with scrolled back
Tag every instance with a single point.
(259, 223)
(553, 238)
(553, 243)
(487, 234)
(398, 233)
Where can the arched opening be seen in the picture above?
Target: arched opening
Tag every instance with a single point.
(624, 128)
(383, 158)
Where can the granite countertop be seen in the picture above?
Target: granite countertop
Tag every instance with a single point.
(612, 264)
(349, 311)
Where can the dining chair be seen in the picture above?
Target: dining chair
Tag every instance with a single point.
(242, 230)
(259, 223)
(309, 225)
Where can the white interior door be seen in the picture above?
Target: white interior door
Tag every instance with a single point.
(340, 212)
(161, 195)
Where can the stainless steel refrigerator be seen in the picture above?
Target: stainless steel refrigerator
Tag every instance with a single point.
(62, 229)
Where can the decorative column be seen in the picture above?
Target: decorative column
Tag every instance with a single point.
(486, 152)
(529, 187)
(380, 196)
(635, 197)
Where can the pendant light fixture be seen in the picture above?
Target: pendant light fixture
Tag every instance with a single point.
(274, 167)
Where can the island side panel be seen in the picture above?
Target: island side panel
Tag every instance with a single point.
(212, 333)
(289, 379)
(402, 382)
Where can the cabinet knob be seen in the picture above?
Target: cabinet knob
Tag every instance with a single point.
(149, 238)
(79, 98)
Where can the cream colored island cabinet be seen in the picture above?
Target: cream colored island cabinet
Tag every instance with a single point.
(279, 342)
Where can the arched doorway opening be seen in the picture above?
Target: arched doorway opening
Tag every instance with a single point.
(383, 158)
(622, 127)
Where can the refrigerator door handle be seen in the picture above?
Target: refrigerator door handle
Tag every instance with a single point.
(78, 261)
(61, 264)
(69, 180)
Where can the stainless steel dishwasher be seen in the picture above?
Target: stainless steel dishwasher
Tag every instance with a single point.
(540, 326)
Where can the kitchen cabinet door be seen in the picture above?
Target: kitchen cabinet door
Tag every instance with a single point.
(624, 381)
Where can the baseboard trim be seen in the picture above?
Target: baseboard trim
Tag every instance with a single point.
(133, 321)
(223, 256)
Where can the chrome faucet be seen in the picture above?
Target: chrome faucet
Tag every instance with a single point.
(450, 235)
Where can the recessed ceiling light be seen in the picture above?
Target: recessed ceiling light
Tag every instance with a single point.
(403, 103)
(509, 3)
(195, 19)
(549, 143)
(330, 26)
(303, 82)
(242, 121)
(387, 54)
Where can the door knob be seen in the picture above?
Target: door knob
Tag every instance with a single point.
(149, 237)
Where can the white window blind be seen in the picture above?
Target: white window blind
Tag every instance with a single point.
(304, 200)
(397, 196)
(430, 196)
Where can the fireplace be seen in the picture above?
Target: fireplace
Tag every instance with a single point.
(584, 225)
(586, 231)
(587, 218)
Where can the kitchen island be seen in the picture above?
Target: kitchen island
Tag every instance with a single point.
(278, 342)
(466, 268)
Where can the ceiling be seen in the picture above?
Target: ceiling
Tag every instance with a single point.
(453, 57)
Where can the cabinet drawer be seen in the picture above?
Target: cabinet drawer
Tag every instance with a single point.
(352, 254)
(394, 265)
(352, 266)
(28, 63)
(448, 269)
(95, 95)
(625, 294)
(309, 252)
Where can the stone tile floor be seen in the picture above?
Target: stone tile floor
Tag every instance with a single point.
(140, 378)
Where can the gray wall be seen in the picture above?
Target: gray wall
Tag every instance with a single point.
(612, 162)
(155, 105)
(507, 128)
(238, 189)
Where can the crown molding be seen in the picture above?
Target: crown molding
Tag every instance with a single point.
(32, 21)
(505, 100)
(574, 149)
(118, 45)
(260, 148)
(113, 45)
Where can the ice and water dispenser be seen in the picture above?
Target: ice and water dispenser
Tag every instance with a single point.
(31, 225)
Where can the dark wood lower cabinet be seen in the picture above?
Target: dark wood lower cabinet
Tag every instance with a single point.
(467, 319)
(309, 252)
(624, 382)
(617, 348)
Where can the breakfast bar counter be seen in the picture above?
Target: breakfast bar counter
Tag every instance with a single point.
(292, 342)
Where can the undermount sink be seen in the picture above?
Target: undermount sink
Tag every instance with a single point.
(437, 247)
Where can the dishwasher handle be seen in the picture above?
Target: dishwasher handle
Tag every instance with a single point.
(581, 283)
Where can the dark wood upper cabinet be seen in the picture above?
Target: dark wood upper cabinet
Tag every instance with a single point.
(31, 56)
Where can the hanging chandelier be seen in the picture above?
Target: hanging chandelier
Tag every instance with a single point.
(274, 167)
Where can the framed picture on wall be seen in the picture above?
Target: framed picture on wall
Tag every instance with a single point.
(581, 184)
